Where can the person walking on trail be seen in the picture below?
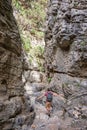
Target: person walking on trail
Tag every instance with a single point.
(49, 97)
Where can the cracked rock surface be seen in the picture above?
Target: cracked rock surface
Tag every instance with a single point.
(13, 102)
(66, 55)
(65, 64)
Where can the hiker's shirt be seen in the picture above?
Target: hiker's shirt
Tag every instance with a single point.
(46, 94)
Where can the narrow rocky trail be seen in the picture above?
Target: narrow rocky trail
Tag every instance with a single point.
(72, 119)
(42, 120)
(65, 68)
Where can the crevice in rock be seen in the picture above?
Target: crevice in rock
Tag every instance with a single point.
(68, 73)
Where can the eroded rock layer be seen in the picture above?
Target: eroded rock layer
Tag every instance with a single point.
(66, 37)
(14, 106)
(66, 53)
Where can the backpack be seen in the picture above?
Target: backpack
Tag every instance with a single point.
(49, 97)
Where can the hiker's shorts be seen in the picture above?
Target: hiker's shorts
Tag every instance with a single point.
(48, 105)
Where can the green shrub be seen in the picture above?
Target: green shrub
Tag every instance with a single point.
(30, 17)
(33, 14)
(49, 79)
(39, 51)
(83, 43)
(26, 44)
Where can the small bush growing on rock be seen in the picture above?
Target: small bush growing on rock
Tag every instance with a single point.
(49, 79)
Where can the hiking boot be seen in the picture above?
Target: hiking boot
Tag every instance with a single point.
(49, 115)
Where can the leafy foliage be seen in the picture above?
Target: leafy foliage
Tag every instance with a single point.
(26, 43)
(33, 14)
(30, 15)
(49, 79)
(37, 53)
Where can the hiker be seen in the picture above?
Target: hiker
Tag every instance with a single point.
(49, 97)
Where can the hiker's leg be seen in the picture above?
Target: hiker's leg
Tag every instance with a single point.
(51, 107)
(48, 106)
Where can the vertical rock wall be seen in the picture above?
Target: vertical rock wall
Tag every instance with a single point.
(66, 39)
(14, 107)
(66, 56)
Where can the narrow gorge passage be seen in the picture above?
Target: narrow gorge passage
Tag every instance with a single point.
(42, 120)
(43, 43)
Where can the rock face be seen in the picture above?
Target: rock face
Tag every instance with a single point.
(66, 37)
(14, 106)
(66, 52)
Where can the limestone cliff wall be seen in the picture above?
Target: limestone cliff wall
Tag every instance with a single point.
(66, 39)
(12, 100)
(66, 55)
